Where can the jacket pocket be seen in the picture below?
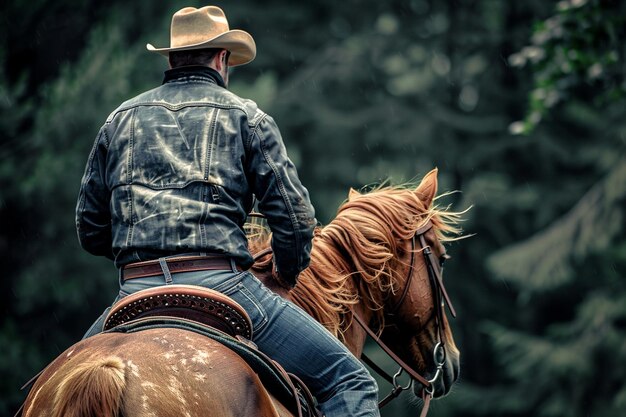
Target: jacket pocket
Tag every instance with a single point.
(215, 194)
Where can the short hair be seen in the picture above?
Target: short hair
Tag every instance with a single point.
(192, 57)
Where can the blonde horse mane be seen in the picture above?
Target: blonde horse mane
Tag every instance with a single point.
(355, 257)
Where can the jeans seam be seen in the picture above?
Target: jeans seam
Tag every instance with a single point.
(264, 319)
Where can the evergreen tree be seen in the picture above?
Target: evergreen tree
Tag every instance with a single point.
(565, 349)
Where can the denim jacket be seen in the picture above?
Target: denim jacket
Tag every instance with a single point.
(174, 171)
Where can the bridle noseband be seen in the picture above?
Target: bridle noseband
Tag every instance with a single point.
(440, 298)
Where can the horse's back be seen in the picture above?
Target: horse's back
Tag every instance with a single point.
(164, 372)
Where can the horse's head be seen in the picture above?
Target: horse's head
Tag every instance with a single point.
(407, 231)
(379, 259)
(416, 325)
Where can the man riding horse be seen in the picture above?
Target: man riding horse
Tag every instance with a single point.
(167, 188)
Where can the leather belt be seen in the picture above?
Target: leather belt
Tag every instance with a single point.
(176, 265)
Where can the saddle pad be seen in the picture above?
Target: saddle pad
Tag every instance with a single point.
(274, 378)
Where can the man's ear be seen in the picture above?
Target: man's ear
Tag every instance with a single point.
(220, 60)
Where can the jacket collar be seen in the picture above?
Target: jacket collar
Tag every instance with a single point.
(194, 71)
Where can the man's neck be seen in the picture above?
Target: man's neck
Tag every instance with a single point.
(212, 72)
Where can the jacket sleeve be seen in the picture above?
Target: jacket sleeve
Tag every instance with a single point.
(93, 217)
(282, 199)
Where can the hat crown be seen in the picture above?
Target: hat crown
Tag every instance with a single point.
(192, 26)
(207, 27)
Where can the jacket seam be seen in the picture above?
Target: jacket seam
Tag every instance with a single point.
(283, 193)
(207, 168)
(107, 142)
(129, 180)
(180, 186)
(210, 145)
(83, 199)
(173, 107)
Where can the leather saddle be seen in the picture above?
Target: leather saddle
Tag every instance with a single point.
(218, 317)
(198, 304)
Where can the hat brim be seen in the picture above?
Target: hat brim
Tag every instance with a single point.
(240, 44)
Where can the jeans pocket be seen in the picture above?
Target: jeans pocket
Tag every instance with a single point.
(246, 299)
(227, 286)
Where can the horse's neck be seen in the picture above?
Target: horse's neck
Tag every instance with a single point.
(355, 335)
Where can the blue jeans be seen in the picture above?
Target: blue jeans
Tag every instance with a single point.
(341, 384)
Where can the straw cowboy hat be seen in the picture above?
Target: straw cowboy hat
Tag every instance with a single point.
(207, 27)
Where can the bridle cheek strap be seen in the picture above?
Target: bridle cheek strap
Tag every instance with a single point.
(439, 292)
(391, 354)
(427, 395)
(436, 272)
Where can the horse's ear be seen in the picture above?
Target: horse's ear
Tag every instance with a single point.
(352, 193)
(427, 189)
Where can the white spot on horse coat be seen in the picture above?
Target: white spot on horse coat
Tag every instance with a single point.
(201, 357)
(160, 340)
(176, 388)
(149, 385)
(133, 368)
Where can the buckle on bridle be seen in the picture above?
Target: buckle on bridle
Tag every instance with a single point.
(439, 358)
(395, 383)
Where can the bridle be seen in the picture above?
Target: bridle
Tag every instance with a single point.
(440, 298)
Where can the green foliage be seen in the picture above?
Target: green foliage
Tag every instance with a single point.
(572, 368)
(564, 349)
(48, 286)
(547, 260)
(578, 48)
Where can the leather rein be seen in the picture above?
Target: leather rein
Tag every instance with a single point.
(441, 297)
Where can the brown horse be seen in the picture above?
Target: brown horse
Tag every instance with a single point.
(377, 263)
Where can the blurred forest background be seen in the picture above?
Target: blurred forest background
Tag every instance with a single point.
(521, 105)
